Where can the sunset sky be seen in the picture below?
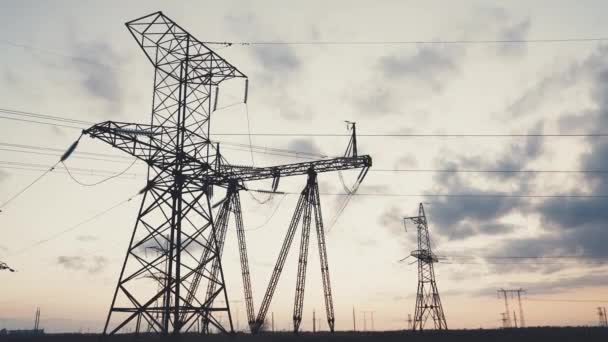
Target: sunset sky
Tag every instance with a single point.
(76, 59)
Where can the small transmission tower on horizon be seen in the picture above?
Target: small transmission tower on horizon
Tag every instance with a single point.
(603, 320)
(428, 303)
(505, 294)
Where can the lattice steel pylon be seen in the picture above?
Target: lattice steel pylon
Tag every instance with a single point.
(428, 303)
(176, 210)
(176, 216)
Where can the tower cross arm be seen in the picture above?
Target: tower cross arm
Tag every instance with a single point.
(295, 169)
(149, 143)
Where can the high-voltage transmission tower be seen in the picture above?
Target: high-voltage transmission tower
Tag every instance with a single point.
(513, 293)
(181, 287)
(601, 314)
(428, 303)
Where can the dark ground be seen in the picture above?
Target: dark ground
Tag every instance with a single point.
(586, 334)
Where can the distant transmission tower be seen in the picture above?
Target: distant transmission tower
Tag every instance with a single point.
(603, 320)
(512, 293)
(504, 319)
(428, 303)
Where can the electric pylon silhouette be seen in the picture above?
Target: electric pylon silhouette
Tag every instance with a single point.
(601, 313)
(428, 303)
(505, 294)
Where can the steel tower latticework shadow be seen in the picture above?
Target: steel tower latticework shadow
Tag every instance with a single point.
(180, 287)
(428, 303)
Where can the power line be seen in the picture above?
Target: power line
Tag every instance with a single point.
(303, 155)
(32, 147)
(567, 300)
(417, 42)
(121, 173)
(59, 155)
(15, 112)
(448, 195)
(419, 135)
(376, 135)
(73, 227)
(97, 171)
(55, 53)
(20, 192)
(41, 122)
(57, 170)
(527, 257)
(484, 171)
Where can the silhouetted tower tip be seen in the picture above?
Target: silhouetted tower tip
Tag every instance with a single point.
(428, 302)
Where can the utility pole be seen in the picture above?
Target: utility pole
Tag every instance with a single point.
(314, 322)
(514, 319)
(354, 321)
(428, 302)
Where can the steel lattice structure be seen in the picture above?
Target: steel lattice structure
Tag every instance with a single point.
(163, 290)
(428, 303)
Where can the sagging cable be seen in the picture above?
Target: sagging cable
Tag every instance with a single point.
(65, 156)
(101, 181)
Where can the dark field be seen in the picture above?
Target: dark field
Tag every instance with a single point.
(518, 335)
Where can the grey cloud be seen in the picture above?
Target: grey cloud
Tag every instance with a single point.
(565, 283)
(278, 58)
(430, 65)
(516, 31)
(550, 86)
(3, 175)
(550, 286)
(86, 238)
(392, 219)
(514, 158)
(57, 131)
(91, 265)
(290, 110)
(306, 146)
(97, 65)
(376, 100)
(578, 225)
(507, 28)
(277, 61)
(407, 160)
(10, 77)
(462, 217)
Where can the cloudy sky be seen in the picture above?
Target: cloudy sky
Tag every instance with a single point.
(76, 59)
